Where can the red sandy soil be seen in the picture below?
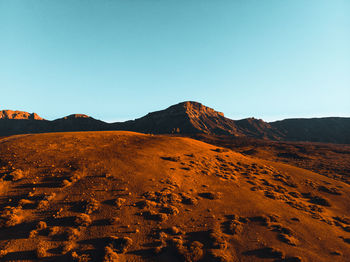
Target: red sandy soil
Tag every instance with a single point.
(124, 196)
(331, 160)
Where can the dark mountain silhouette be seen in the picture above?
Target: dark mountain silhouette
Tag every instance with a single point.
(193, 118)
(187, 118)
(182, 118)
(78, 122)
(328, 129)
(22, 123)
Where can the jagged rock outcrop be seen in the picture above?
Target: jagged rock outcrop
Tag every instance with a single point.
(10, 114)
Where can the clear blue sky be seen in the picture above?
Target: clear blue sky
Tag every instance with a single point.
(120, 59)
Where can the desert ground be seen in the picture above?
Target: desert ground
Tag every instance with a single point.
(125, 196)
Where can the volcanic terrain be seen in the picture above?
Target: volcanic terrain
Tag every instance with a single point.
(125, 196)
(187, 118)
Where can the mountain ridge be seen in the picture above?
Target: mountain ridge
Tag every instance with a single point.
(185, 118)
(15, 114)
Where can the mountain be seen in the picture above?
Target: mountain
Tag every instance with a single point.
(77, 122)
(187, 118)
(182, 118)
(19, 115)
(193, 118)
(328, 129)
(18, 122)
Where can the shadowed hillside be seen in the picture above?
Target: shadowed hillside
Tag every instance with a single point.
(187, 118)
(329, 129)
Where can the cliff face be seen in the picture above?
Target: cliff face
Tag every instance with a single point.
(10, 114)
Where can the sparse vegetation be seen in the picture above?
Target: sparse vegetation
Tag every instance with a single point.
(153, 215)
(119, 202)
(71, 234)
(43, 204)
(41, 250)
(18, 174)
(74, 178)
(91, 206)
(110, 255)
(217, 239)
(33, 234)
(218, 255)
(25, 202)
(41, 225)
(172, 214)
(114, 220)
(67, 246)
(83, 220)
(3, 252)
(80, 258)
(53, 231)
(12, 216)
(121, 244)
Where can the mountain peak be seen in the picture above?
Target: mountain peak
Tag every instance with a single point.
(196, 109)
(187, 117)
(76, 116)
(19, 115)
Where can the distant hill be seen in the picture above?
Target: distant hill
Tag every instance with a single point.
(19, 115)
(328, 129)
(20, 122)
(187, 118)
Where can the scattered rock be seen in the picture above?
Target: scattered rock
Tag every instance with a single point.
(83, 220)
(16, 175)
